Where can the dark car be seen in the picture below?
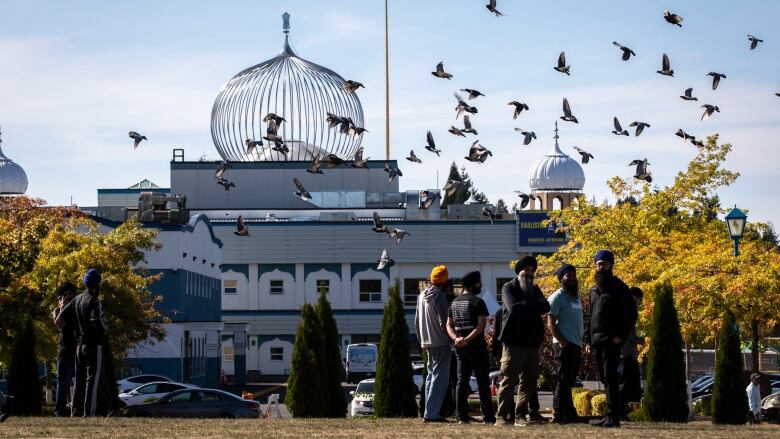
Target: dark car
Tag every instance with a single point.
(196, 403)
(704, 389)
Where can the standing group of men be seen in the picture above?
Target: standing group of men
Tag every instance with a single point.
(519, 330)
(82, 328)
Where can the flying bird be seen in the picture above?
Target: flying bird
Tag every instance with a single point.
(467, 125)
(455, 130)
(241, 228)
(136, 138)
(413, 158)
(698, 143)
(440, 73)
(642, 172)
(431, 146)
(478, 153)
(685, 136)
(562, 67)
(314, 167)
(519, 107)
(754, 41)
(222, 167)
(427, 198)
(451, 187)
(524, 199)
(491, 6)
(489, 213)
(528, 135)
(274, 117)
(398, 235)
(378, 226)
(473, 94)
(280, 147)
(709, 110)
(627, 53)
(640, 126)
(333, 160)
(619, 131)
(384, 261)
(463, 107)
(777, 94)
(392, 173)
(359, 161)
(226, 184)
(251, 145)
(567, 116)
(666, 68)
(716, 79)
(688, 95)
(586, 156)
(302, 193)
(351, 86)
(672, 18)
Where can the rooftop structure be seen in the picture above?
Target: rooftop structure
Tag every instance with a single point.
(13, 179)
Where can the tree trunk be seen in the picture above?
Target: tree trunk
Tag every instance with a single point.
(754, 349)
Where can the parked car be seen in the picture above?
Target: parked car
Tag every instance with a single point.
(5, 403)
(770, 408)
(362, 403)
(698, 381)
(360, 362)
(155, 390)
(704, 389)
(131, 383)
(196, 403)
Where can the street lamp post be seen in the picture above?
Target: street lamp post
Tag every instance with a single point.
(735, 222)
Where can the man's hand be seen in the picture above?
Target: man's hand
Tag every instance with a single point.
(460, 342)
(563, 343)
(617, 340)
(587, 349)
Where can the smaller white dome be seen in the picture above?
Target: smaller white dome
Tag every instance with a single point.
(13, 179)
(556, 171)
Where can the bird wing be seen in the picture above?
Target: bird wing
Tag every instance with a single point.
(429, 138)
(240, 223)
(377, 222)
(689, 92)
(665, 63)
(440, 67)
(566, 107)
(562, 60)
(466, 122)
(359, 154)
(615, 121)
(299, 185)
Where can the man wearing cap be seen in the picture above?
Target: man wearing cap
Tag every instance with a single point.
(66, 349)
(430, 322)
(612, 314)
(466, 325)
(91, 327)
(754, 398)
(522, 332)
(565, 322)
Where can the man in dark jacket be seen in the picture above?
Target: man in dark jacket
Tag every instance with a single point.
(66, 351)
(522, 332)
(612, 314)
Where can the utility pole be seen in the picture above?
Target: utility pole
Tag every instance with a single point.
(387, 87)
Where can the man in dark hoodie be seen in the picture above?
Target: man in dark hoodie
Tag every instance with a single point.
(612, 314)
(522, 332)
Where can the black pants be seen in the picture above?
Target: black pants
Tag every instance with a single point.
(630, 381)
(89, 365)
(607, 363)
(567, 367)
(474, 359)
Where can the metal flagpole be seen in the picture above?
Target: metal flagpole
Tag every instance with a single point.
(387, 87)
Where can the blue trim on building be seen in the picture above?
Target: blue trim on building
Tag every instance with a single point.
(356, 268)
(232, 222)
(267, 268)
(238, 268)
(239, 369)
(182, 307)
(265, 338)
(313, 268)
(170, 367)
(189, 227)
(161, 190)
(209, 165)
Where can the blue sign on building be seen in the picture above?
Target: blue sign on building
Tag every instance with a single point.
(532, 231)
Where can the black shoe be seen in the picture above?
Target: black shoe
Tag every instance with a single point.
(438, 420)
(537, 418)
(577, 420)
(609, 423)
(3, 417)
(561, 420)
(598, 422)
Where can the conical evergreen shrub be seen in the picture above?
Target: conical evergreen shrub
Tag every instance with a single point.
(729, 400)
(666, 396)
(108, 400)
(332, 367)
(394, 386)
(23, 382)
(305, 392)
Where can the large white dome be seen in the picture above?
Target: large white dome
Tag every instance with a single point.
(13, 179)
(556, 171)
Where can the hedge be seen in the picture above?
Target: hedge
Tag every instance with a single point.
(599, 405)
(582, 402)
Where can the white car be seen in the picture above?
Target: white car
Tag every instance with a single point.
(362, 403)
(131, 383)
(417, 371)
(154, 390)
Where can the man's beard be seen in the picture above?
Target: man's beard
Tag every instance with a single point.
(571, 288)
(603, 278)
(526, 282)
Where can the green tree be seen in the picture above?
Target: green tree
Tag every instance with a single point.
(466, 189)
(23, 382)
(729, 400)
(666, 396)
(394, 387)
(305, 389)
(501, 206)
(332, 367)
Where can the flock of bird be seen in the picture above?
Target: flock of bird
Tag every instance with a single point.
(477, 152)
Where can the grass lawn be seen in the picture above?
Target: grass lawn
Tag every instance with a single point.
(352, 428)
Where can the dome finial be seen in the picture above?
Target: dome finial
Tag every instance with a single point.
(556, 148)
(286, 50)
(286, 23)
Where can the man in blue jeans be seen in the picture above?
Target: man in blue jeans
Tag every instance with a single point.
(430, 324)
(66, 351)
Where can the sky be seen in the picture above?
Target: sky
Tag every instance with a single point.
(76, 76)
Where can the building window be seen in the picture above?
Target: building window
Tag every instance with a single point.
(323, 285)
(276, 287)
(230, 287)
(228, 354)
(500, 281)
(412, 289)
(277, 354)
(371, 290)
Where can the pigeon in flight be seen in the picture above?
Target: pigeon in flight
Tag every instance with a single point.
(241, 228)
(225, 184)
(672, 18)
(413, 158)
(519, 107)
(640, 126)
(280, 147)
(427, 198)
(222, 167)
(398, 235)
(251, 145)
(528, 135)
(489, 213)
(302, 193)
(431, 146)
(491, 6)
(641, 170)
(351, 86)
(455, 130)
(384, 261)
(473, 94)
(619, 131)
(333, 160)
(440, 73)
(698, 143)
(314, 167)
(709, 110)
(274, 117)
(685, 136)
(355, 131)
(271, 131)
(688, 96)
(627, 53)
(478, 153)
(392, 173)
(586, 156)
(567, 116)
(524, 199)
(136, 138)
(666, 68)
(562, 67)
(379, 227)
(716, 79)
(777, 94)
(359, 161)
(467, 125)
(754, 41)
(451, 187)
(463, 107)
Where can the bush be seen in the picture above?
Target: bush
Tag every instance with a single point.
(304, 396)
(333, 369)
(475, 408)
(582, 402)
(639, 415)
(703, 406)
(576, 391)
(598, 405)
(23, 382)
(729, 400)
(108, 399)
(666, 396)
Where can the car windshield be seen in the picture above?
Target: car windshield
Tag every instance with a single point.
(365, 388)
(149, 388)
(366, 355)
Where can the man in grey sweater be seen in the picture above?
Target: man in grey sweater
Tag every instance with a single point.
(430, 322)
